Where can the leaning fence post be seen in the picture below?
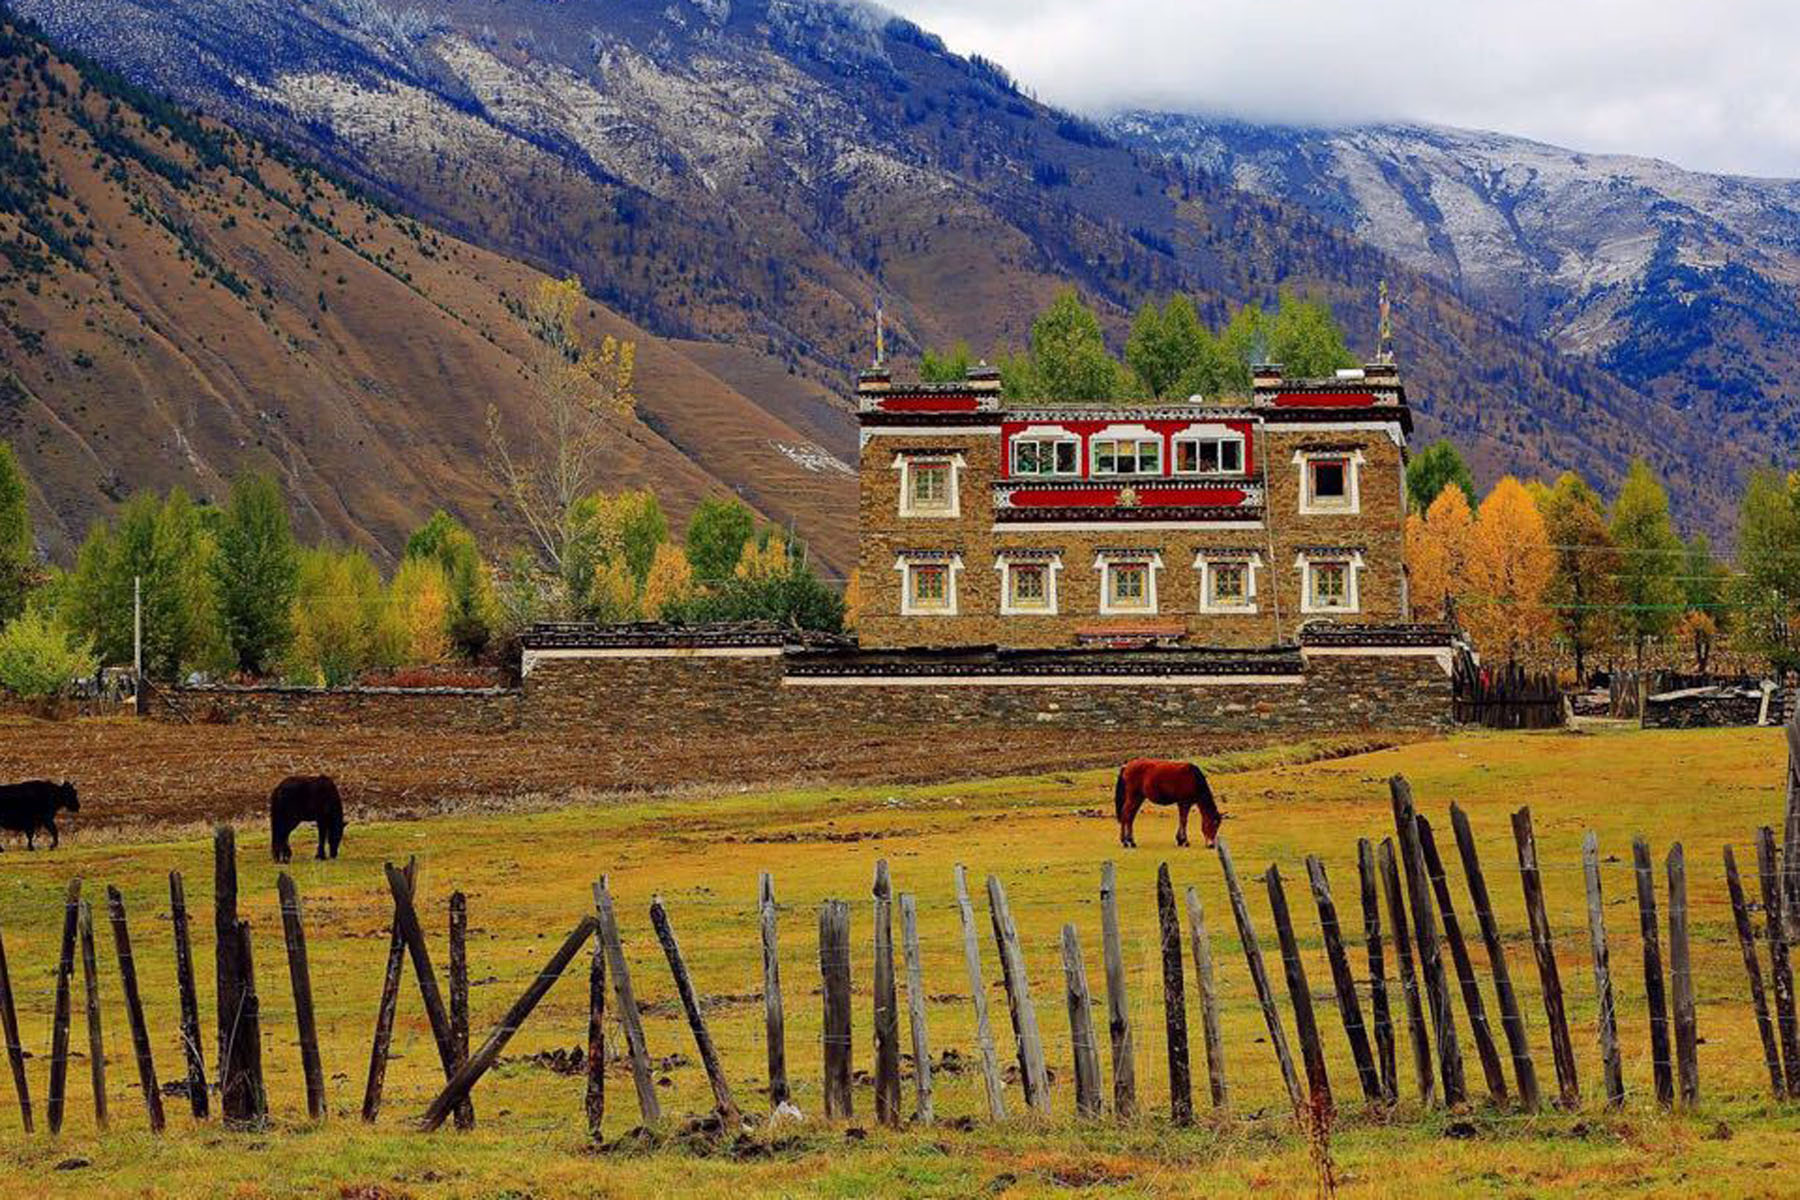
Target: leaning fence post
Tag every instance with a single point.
(1759, 1002)
(1209, 1000)
(1781, 975)
(690, 1003)
(1259, 979)
(1081, 1027)
(385, 1009)
(1512, 1017)
(630, 1021)
(192, 1052)
(1605, 1016)
(459, 994)
(134, 1009)
(1681, 980)
(593, 1098)
(436, 1014)
(300, 975)
(1343, 981)
(1653, 971)
(1379, 1013)
(456, 1088)
(90, 983)
(1544, 946)
(59, 1032)
(15, 1049)
(915, 1009)
(834, 972)
(1409, 982)
(1306, 1024)
(1032, 1076)
(1425, 932)
(1489, 1054)
(774, 1019)
(887, 1014)
(1118, 1007)
(984, 1030)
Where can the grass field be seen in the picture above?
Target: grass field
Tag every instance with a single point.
(527, 876)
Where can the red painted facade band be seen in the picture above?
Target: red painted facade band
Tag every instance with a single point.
(929, 404)
(1147, 497)
(1325, 400)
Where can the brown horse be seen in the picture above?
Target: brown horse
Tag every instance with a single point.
(1178, 783)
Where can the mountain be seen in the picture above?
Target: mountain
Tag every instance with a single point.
(758, 175)
(1682, 284)
(178, 302)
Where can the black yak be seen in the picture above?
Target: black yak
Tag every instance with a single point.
(300, 798)
(28, 807)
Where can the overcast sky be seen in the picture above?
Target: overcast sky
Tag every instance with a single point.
(1709, 84)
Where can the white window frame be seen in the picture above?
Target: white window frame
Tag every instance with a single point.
(1307, 563)
(907, 564)
(1043, 435)
(1105, 563)
(1352, 460)
(1206, 561)
(1006, 563)
(1207, 433)
(904, 464)
(1137, 435)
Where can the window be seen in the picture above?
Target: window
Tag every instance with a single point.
(1028, 582)
(1230, 585)
(1328, 481)
(931, 586)
(1128, 581)
(1227, 580)
(1127, 456)
(928, 583)
(1130, 585)
(1030, 585)
(1331, 585)
(928, 484)
(1045, 456)
(1209, 456)
(1329, 582)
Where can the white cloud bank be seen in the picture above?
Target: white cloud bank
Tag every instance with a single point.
(1709, 84)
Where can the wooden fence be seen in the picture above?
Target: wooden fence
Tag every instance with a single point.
(1412, 920)
(1507, 697)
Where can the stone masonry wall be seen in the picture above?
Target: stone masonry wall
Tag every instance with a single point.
(450, 710)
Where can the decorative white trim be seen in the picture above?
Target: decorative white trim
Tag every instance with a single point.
(915, 431)
(905, 564)
(904, 463)
(529, 659)
(1106, 560)
(1352, 586)
(1353, 464)
(1204, 561)
(1120, 526)
(1207, 431)
(1446, 657)
(1005, 561)
(934, 681)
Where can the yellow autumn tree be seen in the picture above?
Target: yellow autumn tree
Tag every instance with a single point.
(764, 561)
(670, 580)
(853, 599)
(1507, 573)
(1437, 549)
(614, 593)
(419, 608)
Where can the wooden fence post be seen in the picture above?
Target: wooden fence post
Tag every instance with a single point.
(1259, 979)
(1681, 980)
(1349, 1009)
(193, 1055)
(1118, 1006)
(1209, 1001)
(387, 1007)
(1543, 945)
(984, 1030)
(90, 985)
(593, 1096)
(1032, 1076)
(1425, 933)
(1181, 1090)
(924, 1113)
(1409, 982)
(1653, 972)
(241, 1096)
(1606, 1017)
(1512, 1017)
(59, 1030)
(1781, 975)
(436, 1014)
(887, 1012)
(1081, 1027)
(464, 1117)
(1489, 1054)
(300, 975)
(134, 1010)
(15, 1048)
(1759, 1002)
(690, 1003)
(774, 1019)
(1379, 1013)
(834, 973)
(250, 1028)
(1306, 1025)
(456, 1088)
(630, 1021)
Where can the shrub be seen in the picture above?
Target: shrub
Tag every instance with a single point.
(38, 657)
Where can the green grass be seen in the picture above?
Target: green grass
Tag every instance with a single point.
(528, 875)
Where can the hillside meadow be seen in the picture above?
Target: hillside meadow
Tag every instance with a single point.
(527, 877)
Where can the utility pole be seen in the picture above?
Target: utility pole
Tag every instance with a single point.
(137, 643)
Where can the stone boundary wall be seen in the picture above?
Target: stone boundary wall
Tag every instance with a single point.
(450, 710)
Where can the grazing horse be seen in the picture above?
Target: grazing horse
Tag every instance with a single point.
(300, 798)
(1178, 783)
